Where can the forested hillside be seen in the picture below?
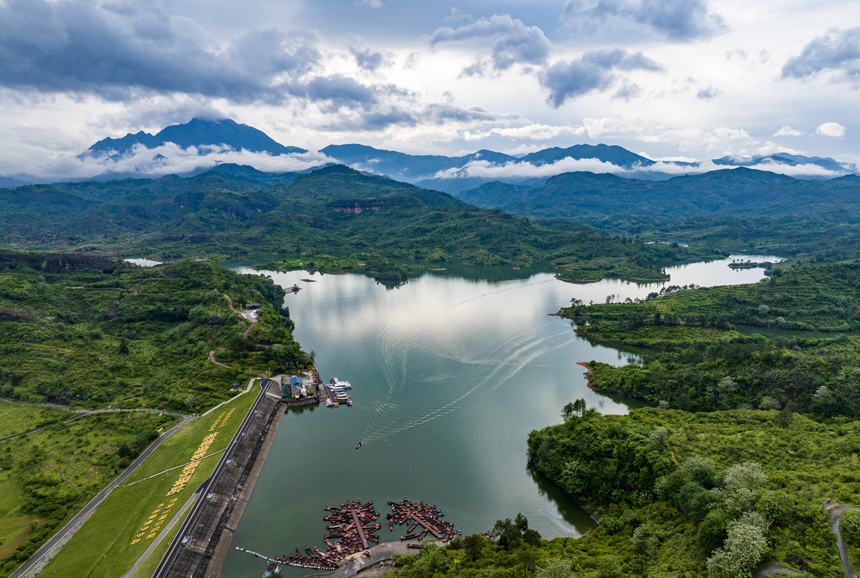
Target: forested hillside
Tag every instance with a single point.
(735, 209)
(234, 211)
(698, 361)
(134, 337)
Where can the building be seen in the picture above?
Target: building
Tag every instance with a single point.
(252, 306)
(270, 569)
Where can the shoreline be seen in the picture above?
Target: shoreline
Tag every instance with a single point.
(218, 556)
(587, 379)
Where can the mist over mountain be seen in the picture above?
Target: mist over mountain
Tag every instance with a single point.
(197, 133)
(200, 144)
(786, 159)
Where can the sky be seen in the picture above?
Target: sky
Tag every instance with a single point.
(668, 79)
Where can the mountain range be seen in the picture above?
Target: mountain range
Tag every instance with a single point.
(452, 174)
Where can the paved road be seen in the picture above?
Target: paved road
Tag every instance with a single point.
(69, 529)
(82, 413)
(836, 511)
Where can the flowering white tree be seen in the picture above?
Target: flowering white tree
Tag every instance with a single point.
(747, 475)
(743, 548)
(555, 568)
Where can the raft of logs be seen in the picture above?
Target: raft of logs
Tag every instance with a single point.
(351, 526)
(415, 514)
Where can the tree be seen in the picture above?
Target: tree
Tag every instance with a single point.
(768, 402)
(577, 407)
(123, 346)
(528, 557)
(783, 418)
(567, 411)
(521, 522)
(700, 470)
(713, 531)
(509, 535)
(555, 568)
(609, 567)
(747, 475)
(644, 541)
(474, 545)
(532, 537)
(743, 548)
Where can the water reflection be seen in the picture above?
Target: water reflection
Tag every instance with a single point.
(450, 373)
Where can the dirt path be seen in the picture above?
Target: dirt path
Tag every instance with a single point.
(253, 320)
(218, 363)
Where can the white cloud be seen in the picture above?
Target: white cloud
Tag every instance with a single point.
(832, 129)
(787, 131)
(514, 170)
(531, 132)
(171, 158)
(771, 147)
(693, 137)
(600, 126)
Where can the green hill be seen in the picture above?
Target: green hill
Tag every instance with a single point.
(232, 211)
(732, 209)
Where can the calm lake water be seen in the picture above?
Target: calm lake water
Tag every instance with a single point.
(450, 373)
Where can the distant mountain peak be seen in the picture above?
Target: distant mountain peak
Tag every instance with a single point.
(786, 159)
(198, 132)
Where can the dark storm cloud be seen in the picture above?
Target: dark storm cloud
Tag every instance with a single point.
(592, 71)
(385, 116)
(337, 91)
(443, 113)
(115, 48)
(838, 51)
(679, 20)
(513, 41)
(368, 59)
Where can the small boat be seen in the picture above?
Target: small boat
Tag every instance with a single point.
(358, 446)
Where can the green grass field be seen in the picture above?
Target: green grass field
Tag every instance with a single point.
(105, 546)
(48, 476)
(16, 418)
(148, 567)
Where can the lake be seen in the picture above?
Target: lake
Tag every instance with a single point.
(450, 373)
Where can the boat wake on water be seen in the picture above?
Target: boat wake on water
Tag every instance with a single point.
(419, 368)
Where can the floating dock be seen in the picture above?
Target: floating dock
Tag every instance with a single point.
(416, 514)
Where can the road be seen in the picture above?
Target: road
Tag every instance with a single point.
(70, 528)
(82, 413)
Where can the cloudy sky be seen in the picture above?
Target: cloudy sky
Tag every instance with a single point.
(693, 79)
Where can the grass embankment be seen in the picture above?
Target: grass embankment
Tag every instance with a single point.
(113, 539)
(48, 476)
(16, 418)
(91, 333)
